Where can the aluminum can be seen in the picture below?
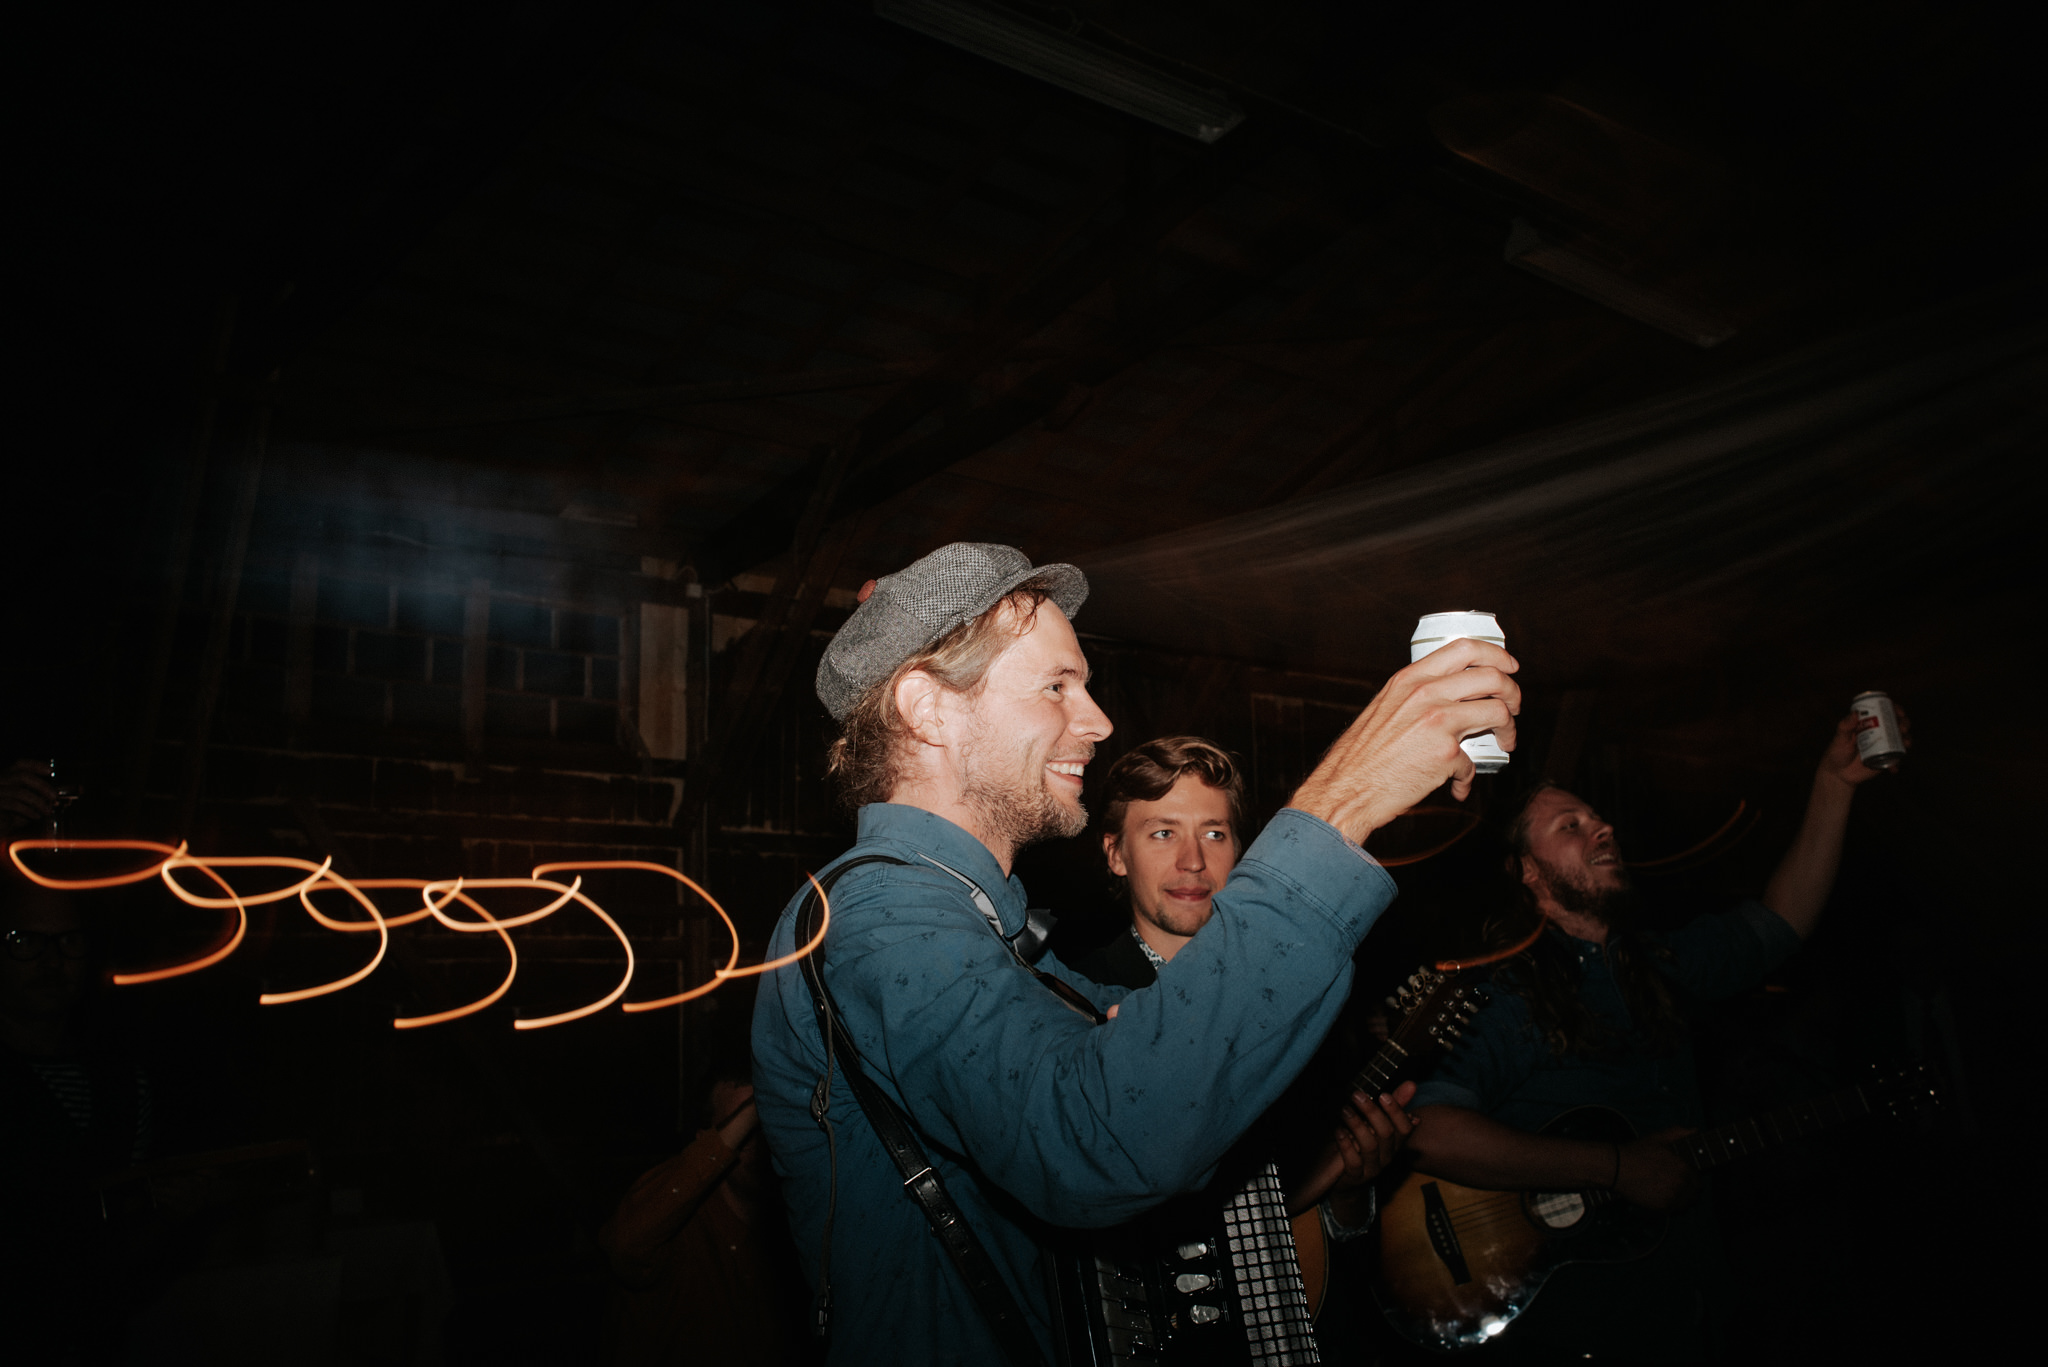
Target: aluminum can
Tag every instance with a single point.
(1878, 741)
(1438, 630)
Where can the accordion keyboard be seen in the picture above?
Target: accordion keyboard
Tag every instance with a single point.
(1272, 1302)
(1232, 1294)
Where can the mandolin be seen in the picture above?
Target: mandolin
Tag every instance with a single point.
(1459, 1264)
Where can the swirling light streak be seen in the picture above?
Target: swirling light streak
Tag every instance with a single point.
(732, 969)
(1469, 823)
(383, 940)
(234, 942)
(141, 875)
(435, 895)
(485, 922)
(1741, 806)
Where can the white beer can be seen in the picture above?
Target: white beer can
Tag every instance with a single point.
(1438, 630)
(1877, 731)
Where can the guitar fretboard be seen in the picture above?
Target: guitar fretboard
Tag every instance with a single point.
(1373, 1078)
(1711, 1148)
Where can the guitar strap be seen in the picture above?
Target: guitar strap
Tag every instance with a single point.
(921, 1180)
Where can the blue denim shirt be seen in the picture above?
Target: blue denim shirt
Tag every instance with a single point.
(1503, 1069)
(1029, 1111)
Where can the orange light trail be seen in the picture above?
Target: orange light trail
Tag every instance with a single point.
(1741, 806)
(205, 960)
(1460, 965)
(435, 895)
(1470, 822)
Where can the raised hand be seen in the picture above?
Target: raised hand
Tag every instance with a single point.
(1404, 745)
(1841, 760)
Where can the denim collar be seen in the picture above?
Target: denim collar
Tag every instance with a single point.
(933, 839)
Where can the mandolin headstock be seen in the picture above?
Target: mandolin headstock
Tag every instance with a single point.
(1433, 1008)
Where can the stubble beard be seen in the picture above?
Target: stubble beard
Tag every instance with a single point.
(1613, 907)
(1014, 811)
(1170, 920)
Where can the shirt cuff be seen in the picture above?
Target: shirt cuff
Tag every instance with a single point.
(1334, 873)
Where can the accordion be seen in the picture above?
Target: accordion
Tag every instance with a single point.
(1204, 1280)
(1227, 1290)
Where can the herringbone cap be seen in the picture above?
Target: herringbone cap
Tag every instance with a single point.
(908, 610)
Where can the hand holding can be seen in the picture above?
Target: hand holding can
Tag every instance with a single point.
(1439, 629)
(1880, 740)
(1408, 742)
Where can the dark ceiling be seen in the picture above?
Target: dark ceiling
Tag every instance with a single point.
(688, 285)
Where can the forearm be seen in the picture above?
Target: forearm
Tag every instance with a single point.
(660, 1204)
(1089, 1124)
(1806, 875)
(1466, 1147)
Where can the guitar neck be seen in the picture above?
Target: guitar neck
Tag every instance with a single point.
(1378, 1075)
(1711, 1148)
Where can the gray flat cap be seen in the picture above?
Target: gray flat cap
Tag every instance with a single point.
(906, 611)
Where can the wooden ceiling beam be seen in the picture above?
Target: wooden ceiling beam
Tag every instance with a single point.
(764, 529)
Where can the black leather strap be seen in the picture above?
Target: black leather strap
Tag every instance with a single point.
(921, 1180)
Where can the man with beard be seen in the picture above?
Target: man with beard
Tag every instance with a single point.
(1594, 1014)
(962, 696)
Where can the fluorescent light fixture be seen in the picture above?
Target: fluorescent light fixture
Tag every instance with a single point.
(1560, 265)
(1036, 49)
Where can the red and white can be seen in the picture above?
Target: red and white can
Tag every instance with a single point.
(1438, 630)
(1878, 740)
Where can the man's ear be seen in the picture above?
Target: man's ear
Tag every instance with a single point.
(917, 701)
(1112, 850)
(1530, 877)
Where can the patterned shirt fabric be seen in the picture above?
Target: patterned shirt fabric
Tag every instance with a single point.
(1029, 1111)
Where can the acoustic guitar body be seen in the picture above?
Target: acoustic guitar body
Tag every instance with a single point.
(1458, 1264)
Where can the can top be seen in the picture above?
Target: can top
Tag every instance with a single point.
(1439, 629)
(1462, 623)
(1873, 693)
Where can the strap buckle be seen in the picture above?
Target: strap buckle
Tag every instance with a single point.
(917, 1176)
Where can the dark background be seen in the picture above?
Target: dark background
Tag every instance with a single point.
(354, 343)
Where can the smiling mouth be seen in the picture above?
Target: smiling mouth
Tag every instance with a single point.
(1071, 768)
(1191, 894)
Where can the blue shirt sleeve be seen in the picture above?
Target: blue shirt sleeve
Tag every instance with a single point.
(1090, 1125)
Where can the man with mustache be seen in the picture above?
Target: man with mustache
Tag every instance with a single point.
(1594, 1013)
(962, 696)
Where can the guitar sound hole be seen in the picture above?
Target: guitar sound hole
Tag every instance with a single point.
(1558, 1209)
